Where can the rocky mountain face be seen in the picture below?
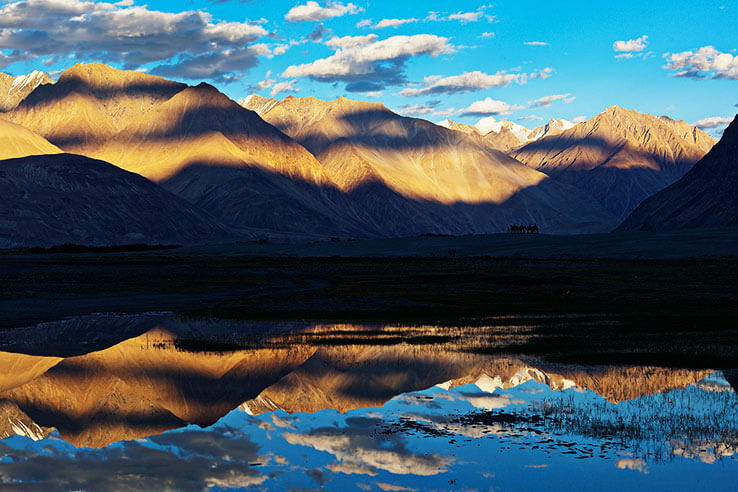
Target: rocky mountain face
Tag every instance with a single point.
(63, 198)
(89, 104)
(620, 157)
(14, 89)
(704, 198)
(195, 142)
(410, 171)
(225, 159)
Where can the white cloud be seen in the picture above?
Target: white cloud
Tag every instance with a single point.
(444, 112)
(712, 122)
(488, 107)
(487, 34)
(364, 23)
(188, 43)
(389, 487)
(542, 74)
(352, 468)
(626, 56)
(531, 117)
(394, 22)
(313, 11)
(284, 87)
(359, 451)
(417, 109)
(281, 49)
(694, 64)
(373, 65)
(266, 83)
(463, 17)
(579, 119)
(545, 102)
(466, 82)
(351, 41)
(638, 44)
(466, 16)
(535, 43)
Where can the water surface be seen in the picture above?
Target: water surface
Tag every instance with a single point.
(154, 402)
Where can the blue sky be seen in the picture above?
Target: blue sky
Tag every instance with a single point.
(522, 61)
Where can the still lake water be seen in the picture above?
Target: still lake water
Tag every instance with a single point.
(154, 402)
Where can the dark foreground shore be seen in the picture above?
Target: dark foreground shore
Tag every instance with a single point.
(36, 288)
(676, 311)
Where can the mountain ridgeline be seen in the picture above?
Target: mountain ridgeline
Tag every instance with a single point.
(704, 198)
(13, 90)
(66, 198)
(407, 175)
(620, 157)
(303, 168)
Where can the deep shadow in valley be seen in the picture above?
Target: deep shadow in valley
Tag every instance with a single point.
(254, 197)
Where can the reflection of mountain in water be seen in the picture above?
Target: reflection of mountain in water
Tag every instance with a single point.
(147, 384)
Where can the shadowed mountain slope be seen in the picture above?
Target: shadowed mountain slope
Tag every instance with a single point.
(16, 141)
(65, 198)
(365, 145)
(706, 197)
(89, 104)
(620, 157)
(206, 148)
(14, 89)
(201, 125)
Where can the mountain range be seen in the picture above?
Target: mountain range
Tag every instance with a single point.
(704, 198)
(620, 157)
(507, 135)
(304, 168)
(410, 172)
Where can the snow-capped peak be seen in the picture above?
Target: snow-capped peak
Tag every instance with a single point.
(553, 127)
(446, 124)
(22, 81)
(488, 124)
(519, 131)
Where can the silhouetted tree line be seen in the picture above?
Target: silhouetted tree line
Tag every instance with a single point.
(522, 228)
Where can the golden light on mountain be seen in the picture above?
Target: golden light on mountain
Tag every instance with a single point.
(620, 156)
(361, 142)
(89, 104)
(322, 168)
(200, 125)
(17, 141)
